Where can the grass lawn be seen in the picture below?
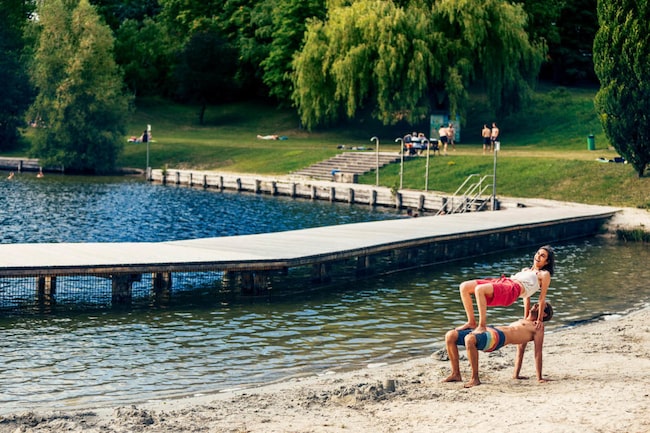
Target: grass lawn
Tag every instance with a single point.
(543, 148)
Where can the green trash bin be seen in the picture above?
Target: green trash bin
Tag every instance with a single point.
(591, 142)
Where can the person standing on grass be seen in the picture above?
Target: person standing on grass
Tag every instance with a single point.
(451, 136)
(494, 135)
(442, 132)
(486, 133)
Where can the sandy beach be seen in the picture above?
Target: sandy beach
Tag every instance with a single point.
(598, 381)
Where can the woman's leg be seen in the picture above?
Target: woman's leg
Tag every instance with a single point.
(467, 289)
(482, 292)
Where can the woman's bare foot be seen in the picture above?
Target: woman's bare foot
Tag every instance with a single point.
(479, 330)
(468, 325)
(471, 383)
(453, 377)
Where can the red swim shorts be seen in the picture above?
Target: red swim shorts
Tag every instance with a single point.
(506, 291)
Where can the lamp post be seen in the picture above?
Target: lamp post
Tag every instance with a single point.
(426, 182)
(147, 169)
(401, 163)
(376, 140)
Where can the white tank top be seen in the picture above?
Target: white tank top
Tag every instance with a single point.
(529, 280)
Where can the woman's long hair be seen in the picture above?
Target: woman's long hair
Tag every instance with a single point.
(550, 260)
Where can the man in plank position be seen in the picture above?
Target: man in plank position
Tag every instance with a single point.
(520, 332)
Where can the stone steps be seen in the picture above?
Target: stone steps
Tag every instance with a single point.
(353, 163)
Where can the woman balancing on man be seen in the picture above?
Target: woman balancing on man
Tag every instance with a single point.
(505, 291)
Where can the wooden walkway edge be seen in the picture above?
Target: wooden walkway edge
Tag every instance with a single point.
(402, 243)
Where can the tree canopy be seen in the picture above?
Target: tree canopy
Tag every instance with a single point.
(330, 59)
(408, 61)
(15, 93)
(622, 61)
(80, 109)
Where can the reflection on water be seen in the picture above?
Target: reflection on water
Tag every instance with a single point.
(209, 341)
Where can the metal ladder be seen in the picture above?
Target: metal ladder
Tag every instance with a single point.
(471, 196)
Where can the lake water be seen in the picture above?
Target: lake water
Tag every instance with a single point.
(207, 340)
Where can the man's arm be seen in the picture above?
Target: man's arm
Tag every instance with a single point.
(545, 282)
(521, 349)
(539, 342)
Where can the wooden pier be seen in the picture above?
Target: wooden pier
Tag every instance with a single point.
(252, 260)
(25, 164)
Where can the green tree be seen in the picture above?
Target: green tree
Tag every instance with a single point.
(80, 107)
(570, 56)
(206, 70)
(146, 55)
(289, 19)
(408, 61)
(15, 92)
(622, 62)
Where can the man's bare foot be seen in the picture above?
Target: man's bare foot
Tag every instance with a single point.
(453, 377)
(479, 330)
(520, 377)
(467, 325)
(472, 383)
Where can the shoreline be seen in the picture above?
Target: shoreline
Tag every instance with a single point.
(598, 381)
(599, 375)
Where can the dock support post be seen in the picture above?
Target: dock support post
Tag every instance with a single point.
(320, 273)
(161, 286)
(293, 190)
(332, 194)
(445, 202)
(373, 198)
(121, 286)
(364, 265)
(220, 183)
(20, 166)
(254, 283)
(205, 181)
(230, 279)
(351, 195)
(421, 203)
(238, 184)
(274, 188)
(46, 289)
(258, 186)
(398, 200)
(406, 258)
(178, 178)
(313, 193)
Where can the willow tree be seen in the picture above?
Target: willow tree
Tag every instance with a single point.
(406, 61)
(622, 62)
(80, 107)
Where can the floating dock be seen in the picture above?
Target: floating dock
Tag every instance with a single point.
(255, 263)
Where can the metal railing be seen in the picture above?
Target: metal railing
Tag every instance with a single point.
(468, 196)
